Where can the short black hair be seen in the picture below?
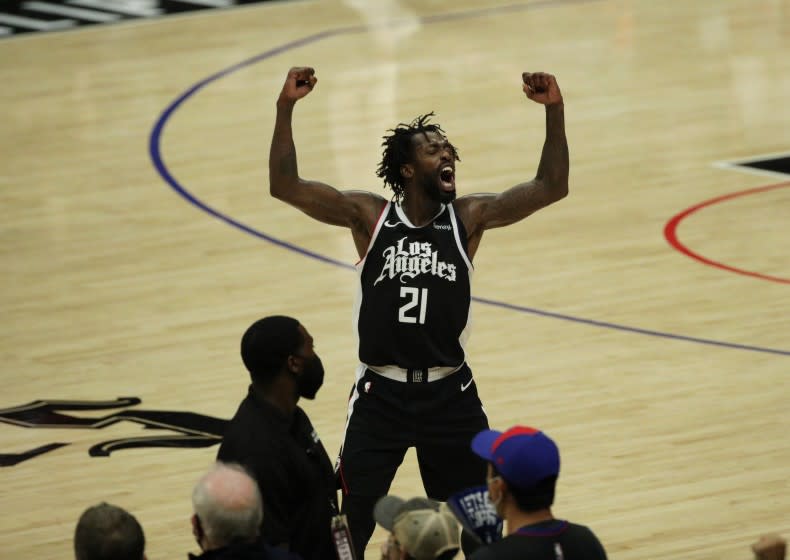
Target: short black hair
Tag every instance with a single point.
(266, 345)
(398, 150)
(108, 532)
(540, 496)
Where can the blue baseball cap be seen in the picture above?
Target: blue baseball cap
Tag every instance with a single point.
(524, 456)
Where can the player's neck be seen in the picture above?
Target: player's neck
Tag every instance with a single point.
(517, 518)
(419, 208)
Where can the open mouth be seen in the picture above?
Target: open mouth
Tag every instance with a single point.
(447, 178)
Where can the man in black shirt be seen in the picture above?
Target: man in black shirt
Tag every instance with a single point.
(523, 465)
(273, 438)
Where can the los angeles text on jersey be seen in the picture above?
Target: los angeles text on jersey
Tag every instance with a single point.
(420, 258)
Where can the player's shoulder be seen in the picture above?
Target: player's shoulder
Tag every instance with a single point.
(471, 205)
(369, 204)
(470, 210)
(365, 197)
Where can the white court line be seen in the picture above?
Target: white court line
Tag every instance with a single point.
(37, 24)
(207, 3)
(78, 13)
(125, 9)
(144, 22)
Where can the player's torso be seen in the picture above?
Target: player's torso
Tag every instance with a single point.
(415, 293)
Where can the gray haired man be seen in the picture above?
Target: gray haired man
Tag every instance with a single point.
(227, 517)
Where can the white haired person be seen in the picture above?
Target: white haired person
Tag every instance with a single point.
(227, 517)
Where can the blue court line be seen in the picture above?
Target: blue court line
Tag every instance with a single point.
(155, 141)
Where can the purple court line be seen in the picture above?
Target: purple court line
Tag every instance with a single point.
(155, 139)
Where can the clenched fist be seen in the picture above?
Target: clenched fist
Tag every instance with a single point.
(300, 81)
(770, 547)
(541, 88)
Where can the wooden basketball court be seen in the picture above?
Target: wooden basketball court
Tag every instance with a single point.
(139, 241)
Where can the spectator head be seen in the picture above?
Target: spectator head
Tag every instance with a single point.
(267, 344)
(419, 529)
(526, 460)
(275, 345)
(227, 507)
(108, 532)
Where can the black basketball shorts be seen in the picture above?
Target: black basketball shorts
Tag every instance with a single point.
(386, 417)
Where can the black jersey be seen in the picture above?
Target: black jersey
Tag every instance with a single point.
(547, 540)
(413, 304)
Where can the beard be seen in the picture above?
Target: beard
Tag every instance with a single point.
(430, 187)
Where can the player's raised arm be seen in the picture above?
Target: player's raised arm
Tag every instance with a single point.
(357, 210)
(486, 211)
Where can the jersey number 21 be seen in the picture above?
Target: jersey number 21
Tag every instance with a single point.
(415, 298)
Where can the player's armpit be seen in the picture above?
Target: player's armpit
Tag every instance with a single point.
(352, 209)
(487, 211)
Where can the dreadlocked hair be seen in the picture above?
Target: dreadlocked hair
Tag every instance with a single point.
(398, 151)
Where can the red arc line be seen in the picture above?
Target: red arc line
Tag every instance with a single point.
(670, 233)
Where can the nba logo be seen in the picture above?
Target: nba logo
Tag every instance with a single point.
(418, 376)
(558, 554)
(367, 386)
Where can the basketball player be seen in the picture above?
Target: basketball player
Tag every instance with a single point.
(413, 387)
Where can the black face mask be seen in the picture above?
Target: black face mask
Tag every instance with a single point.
(311, 378)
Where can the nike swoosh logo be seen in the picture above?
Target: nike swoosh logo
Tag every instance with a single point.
(387, 224)
(465, 387)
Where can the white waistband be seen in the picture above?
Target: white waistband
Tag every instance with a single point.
(400, 374)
